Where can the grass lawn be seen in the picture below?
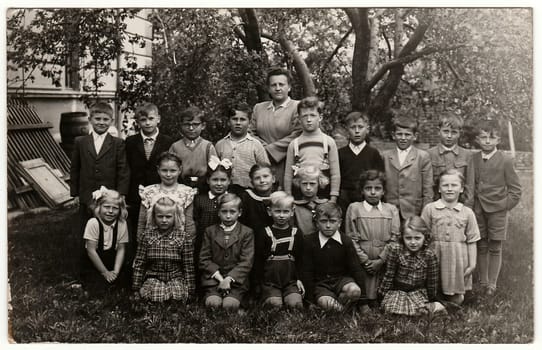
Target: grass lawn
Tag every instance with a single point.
(46, 309)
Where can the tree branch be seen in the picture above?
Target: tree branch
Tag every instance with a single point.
(268, 36)
(239, 33)
(337, 48)
(406, 59)
(387, 40)
(166, 44)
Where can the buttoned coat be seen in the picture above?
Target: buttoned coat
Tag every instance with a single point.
(142, 170)
(89, 170)
(408, 186)
(462, 162)
(234, 258)
(497, 185)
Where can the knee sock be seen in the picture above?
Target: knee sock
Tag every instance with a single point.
(495, 262)
(482, 261)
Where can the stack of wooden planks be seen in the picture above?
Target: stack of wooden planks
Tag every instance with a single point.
(29, 138)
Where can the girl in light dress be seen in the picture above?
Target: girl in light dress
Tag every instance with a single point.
(455, 233)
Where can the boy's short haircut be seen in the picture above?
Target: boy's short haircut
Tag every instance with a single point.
(101, 107)
(491, 126)
(241, 107)
(328, 209)
(278, 71)
(405, 123)
(188, 114)
(354, 116)
(453, 171)
(308, 103)
(451, 120)
(229, 197)
(257, 167)
(280, 198)
(146, 109)
(370, 175)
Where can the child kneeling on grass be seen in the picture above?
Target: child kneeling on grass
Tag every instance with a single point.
(409, 286)
(332, 274)
(106, 238)
(226, 257)
(164, 262)
(278, 257)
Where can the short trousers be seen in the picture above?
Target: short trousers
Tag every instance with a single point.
(269, 291)
(235, 292)
(492, 225)
(331, 287)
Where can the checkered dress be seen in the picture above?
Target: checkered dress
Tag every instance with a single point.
(164, 266)
(410, 280)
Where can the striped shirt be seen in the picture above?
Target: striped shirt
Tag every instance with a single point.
(311, 152)
(243, 154)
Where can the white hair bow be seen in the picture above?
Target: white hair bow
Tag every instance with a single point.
(214, 162)
(99, 193)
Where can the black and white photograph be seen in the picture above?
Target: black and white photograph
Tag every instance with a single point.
(269, 173)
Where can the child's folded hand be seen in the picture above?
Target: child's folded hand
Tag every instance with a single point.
(109, 276)
(224, 286)
(468, 271)
(301, 288)
(377, 264)
(369, 267)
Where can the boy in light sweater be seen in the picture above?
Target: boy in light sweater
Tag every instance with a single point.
(313, 148)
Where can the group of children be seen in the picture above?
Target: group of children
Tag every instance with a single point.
(403, 230)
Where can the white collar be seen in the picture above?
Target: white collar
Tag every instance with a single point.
(404, 150)
(282, 105)
(228, 228)
(357, 149)
(369, 207)
(255, 196)
(153, 137)
(96, 136)
(323, 239)
(444, 149)
(212, 196)
(440, 204)
(246, 137)
(106, 226)
(488, 156)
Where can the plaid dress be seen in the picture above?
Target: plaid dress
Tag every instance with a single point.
(410, 280)
(164, 266)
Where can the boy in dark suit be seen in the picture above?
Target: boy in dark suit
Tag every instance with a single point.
(355, 158)
(496, 191)
(98, 159)
(142, 151)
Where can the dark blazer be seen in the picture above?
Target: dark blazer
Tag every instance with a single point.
(409, 186)
(89, 170)
(497, 185)
(234, 259)
(143, 171)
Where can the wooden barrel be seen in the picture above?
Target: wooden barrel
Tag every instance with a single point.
(72, 124)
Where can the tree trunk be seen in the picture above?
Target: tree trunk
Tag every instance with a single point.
(300, 65)
(253, 42)
(381, 102)
(360, 22)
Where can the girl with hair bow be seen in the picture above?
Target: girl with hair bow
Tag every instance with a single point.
(106, 238)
